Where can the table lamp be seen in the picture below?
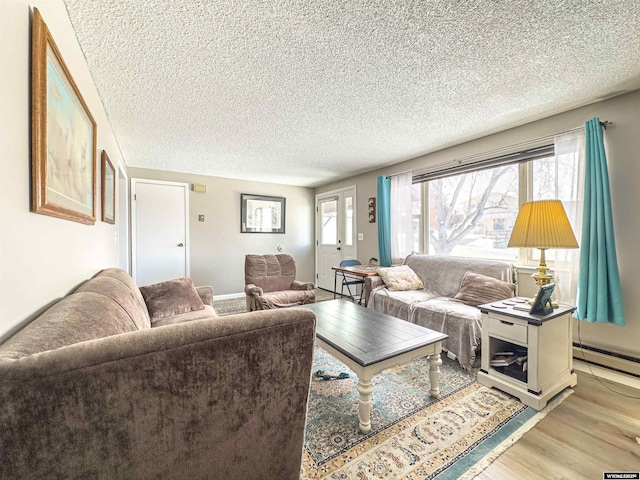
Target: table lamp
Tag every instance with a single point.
(542, 224)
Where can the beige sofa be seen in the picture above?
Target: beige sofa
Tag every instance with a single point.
(93, 389)
(434, 306)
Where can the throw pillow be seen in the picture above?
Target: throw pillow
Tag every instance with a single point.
(170, 298)
(400, 278)
(477, 289)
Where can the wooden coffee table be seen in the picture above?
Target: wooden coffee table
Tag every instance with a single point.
(369, 342)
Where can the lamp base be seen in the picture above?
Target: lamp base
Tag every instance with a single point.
(542, 278)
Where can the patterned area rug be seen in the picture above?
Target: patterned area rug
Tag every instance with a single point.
(239, 305)
(413, 436)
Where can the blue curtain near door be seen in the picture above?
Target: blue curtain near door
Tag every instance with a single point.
(599, 294)
(384, 220)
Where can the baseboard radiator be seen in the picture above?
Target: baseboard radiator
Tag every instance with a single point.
(613, 361)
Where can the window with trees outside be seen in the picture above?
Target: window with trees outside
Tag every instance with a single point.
(472, 214)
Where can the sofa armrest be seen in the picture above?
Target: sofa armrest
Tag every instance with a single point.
(298, 285)
(206, 294)
(227, 396)
(253, 290)
(373, 281)
(370, 283)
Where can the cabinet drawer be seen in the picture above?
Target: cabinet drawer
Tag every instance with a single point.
(507, 330)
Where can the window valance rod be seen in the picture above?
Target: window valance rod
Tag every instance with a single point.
(493, 161)
(511, 149)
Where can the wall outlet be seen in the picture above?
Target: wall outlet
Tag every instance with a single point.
(361, 236)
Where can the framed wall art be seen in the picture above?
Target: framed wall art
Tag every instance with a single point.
(372, 210)
(63, 156)
(108, 190)
(262, 214)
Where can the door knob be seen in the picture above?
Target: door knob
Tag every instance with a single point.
(338, 248)
(181, 244)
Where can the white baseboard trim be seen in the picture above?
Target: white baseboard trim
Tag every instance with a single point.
(228, 296)
(606, 373)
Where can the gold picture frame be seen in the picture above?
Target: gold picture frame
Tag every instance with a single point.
(64, 134)
(108, 181)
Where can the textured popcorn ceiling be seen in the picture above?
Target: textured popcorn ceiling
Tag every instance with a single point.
(304, 92)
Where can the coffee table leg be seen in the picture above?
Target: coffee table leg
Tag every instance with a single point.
(365, 388)
(434, 374)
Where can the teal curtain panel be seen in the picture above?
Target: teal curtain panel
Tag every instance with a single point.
(384, 220)
(599, 296)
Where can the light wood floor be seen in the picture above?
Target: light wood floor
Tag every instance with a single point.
(591, 432)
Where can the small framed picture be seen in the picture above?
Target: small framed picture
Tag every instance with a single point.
(262, 214)
(108, 190)
(372, 210)
(542, 304)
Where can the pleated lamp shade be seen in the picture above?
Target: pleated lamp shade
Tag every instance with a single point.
(542, 224)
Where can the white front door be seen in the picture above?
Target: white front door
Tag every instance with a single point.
(335, 233)
(160, 231)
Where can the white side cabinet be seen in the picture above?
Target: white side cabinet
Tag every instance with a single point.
(546, 339)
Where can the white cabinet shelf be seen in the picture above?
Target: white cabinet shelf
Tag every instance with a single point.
(547, 340)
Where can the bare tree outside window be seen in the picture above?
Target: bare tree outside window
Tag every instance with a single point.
(472, 214)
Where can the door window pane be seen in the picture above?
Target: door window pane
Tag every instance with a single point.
(348, 221)
(329, 225)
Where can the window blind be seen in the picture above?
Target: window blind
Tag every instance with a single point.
(457, 167)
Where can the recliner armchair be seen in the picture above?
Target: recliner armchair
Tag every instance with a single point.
(270, 282)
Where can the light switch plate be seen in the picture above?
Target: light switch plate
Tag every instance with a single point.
(361, 236)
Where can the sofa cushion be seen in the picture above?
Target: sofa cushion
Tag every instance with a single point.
(285, 298)
(400, 278)
(477, 289)
(397, 304)
(270, 272)
(442, 275)
(126, 280)
(122, 294)
(461, 322)
(207, 314)
(172, 297)
(79, 317)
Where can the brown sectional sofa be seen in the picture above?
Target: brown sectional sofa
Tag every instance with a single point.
(433, 306)
(90, 389)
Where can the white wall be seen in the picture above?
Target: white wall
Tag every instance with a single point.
(41, 257)
(623, 144)
(217, 246)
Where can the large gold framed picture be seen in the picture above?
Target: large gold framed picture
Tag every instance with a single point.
(63, 157)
